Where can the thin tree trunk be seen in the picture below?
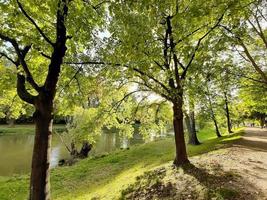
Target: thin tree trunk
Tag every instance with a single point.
(229, 125)
(193, 136)
(190, 125)
(40, 173)
(181, 154)
(216, 125)
(10, 122)
(262, 120)
(213, 117)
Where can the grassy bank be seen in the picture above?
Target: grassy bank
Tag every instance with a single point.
(105, 177)
(25, 129)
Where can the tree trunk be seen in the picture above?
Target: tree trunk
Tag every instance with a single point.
(188, 125)
(262, 120)
(192, 133)
(229, 125)
(40, 173)
(193, 139)
(213, 116)
(86, 148)
(216, 126)
(181, 155)
(10, 122)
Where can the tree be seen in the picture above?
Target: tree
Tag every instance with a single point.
(248, 35)
(252, 97)
(37, 35)
(112, 104)
(156, 44)
(43, 101)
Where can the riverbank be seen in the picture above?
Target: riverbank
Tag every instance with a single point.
(25, 129)
(105, 177)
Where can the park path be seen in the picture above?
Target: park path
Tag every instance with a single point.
(250, 155)
(246, 157)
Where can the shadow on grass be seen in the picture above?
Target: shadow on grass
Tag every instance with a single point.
(214, 144)
(253, 145)
(190, 182)
(220, 183)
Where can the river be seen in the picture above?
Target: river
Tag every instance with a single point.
(16, 150)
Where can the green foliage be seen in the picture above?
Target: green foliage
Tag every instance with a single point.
(11, 107)
(117, 109)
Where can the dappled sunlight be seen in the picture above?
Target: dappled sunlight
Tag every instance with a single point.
(113, 188)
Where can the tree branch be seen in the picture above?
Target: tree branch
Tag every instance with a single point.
(142, 73)
(34, 23)
(59, 49)
(21, 59)
(16, 63)
(22, 92)
(249, 56)
(198, 45)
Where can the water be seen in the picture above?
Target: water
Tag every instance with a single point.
(16, 150)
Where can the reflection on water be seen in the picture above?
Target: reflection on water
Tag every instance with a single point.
(16, 150)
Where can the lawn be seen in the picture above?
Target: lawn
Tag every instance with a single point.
(104, 177)
(25, 129)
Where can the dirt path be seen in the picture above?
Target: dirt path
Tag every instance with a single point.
(251, 153)
(246, 157)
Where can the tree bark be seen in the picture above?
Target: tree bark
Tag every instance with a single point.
(229, 125)
(181, 154)
(40, 176)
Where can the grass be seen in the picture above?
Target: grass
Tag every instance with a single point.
(25, 129)
(105, 177)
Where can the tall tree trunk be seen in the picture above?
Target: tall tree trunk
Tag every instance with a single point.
(262, 120)
(40, 173)
(193, 136)
(213, 117)
(216, 125)
(190, 125)
(229, 125)
(181, 154)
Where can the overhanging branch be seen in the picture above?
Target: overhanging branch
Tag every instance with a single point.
(34, 23)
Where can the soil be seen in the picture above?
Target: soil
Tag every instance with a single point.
(236, 172)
